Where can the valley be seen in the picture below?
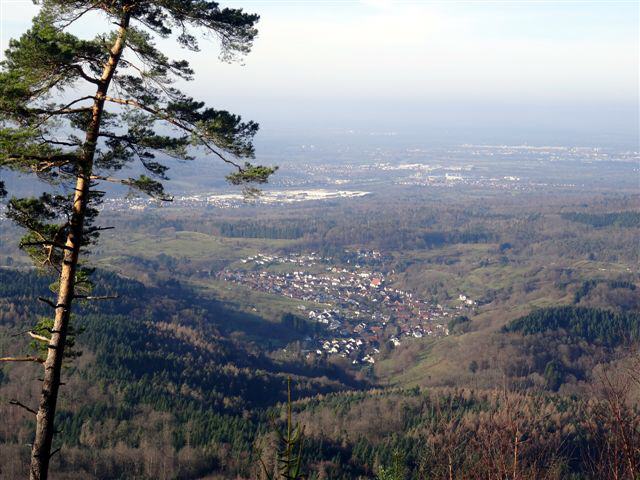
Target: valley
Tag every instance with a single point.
(412, 293)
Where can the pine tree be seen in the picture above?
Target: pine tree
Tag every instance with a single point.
(129, 110)
(289, 464)
(396, 471)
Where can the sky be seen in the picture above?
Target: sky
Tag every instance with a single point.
(532, 71)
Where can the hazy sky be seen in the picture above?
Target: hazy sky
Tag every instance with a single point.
(524, 67)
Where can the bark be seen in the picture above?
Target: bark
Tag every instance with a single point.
(41, 449)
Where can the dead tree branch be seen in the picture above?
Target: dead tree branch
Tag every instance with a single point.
(22, 405)
(22, 359)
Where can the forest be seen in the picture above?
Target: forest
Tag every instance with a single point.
(167, 396)
(179, 379)
(589, 324)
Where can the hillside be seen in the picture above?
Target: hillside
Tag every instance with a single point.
(179, 375)
(156, 377)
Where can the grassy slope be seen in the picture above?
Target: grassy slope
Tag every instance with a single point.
(521, 285)
(197, 247)
(253, 316)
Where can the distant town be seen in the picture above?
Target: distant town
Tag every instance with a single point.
(354, 308)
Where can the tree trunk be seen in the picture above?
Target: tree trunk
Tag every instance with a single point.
(41, 449)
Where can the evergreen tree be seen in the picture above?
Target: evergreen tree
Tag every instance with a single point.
(553, 375)
(396, 471)
(128, 110)
(289, 464)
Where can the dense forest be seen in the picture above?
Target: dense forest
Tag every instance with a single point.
(135, 417)
(590, 324)
(600, 220)
(154, 350)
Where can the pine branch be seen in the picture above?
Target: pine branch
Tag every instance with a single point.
(66, 109)
(58, 142)
(99, 297)
(48, 302)
(178, 123)
(41, 338)
(22, 405)
(19, 333)
(86, 77)
(45, 243)
(144, 184)
(168, 91)
(73, 19)
(46, 161)
(22, 359)
(98, 229)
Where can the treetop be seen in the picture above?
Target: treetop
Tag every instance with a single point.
(42, 117)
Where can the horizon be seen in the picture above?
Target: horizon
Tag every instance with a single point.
(516, 72)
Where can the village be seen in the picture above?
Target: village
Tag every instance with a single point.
(354, 309)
